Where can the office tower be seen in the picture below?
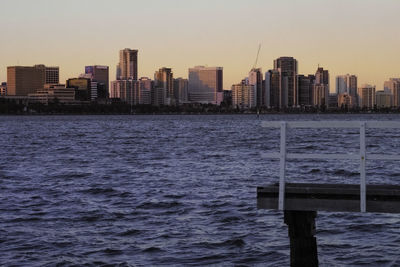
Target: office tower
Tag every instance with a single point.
(393, 85)
(321, 88)
(347, 84)
(100, 75)
(158, 96)
(52, 75)
(181, 93)
(244, 96)
(126, 90)
(256, 79)
(205, 84)
(117, 72)
(145, 87)
(163, 78)
(333, 101)
(305, 89)
(384, 99)
(128, 64)
(3, 89)
(366, 95)
(22, 81)
(287, 69)
(267, 89)
(82, 86)
(275, 82)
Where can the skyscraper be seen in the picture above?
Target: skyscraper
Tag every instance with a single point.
(206, 84)
(128, 64)
(287, 69)
(367, 95)
(275, 88)
(256, 79)
(267, 89)
(163, 78)
(99, 74)
(52, 75)
(23, 80)
(321, 88)
(347, 84)
(305, 89)
(393, 85)
(126, 90)
(181, 87)
(145, 87)
(244, 95)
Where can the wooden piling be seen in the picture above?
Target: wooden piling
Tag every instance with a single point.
(303, 244)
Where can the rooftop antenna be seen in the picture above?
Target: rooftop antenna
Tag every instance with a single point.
(258, 53)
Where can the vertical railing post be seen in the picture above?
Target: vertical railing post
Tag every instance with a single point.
(363, 198)
(282, 171)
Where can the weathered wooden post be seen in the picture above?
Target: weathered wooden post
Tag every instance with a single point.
(303, 244)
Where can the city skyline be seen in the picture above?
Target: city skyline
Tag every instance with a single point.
(361, 40)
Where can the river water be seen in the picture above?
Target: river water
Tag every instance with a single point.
(177, 190)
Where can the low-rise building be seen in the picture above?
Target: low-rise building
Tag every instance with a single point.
(53, 93)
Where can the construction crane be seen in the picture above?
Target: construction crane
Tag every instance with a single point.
(258, 53)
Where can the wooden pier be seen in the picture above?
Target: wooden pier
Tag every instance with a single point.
(303, 201)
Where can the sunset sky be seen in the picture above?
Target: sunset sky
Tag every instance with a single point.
(344, 36)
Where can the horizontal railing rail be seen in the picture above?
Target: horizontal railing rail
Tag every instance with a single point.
(362, 156)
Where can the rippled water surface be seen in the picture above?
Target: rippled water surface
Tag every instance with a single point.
(177, 190)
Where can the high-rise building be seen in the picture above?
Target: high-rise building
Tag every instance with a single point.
(275, 83)
(384, 99)
(321, 88)
(244, 96)
(256, 79)
(347, 84)
(393, 85)
(22, 81)
(206, 84)
(145, 87)
(126, 90)
(287, 87)
(267, 89)
(181, 93)
(333, 101)
(128, 64)
(367, 95)
(52, 75)
(100, 74)
(305, 89)
(163, 78)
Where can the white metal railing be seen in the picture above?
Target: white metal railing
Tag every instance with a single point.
(362, 156)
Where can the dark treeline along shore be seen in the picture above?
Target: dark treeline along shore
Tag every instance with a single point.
(10, 107)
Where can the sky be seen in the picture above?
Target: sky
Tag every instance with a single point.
(359, 37)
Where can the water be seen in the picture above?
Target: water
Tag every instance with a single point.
(176, 190)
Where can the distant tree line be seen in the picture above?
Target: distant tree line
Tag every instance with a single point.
(8, 106)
